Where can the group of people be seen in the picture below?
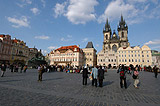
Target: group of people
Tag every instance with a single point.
(97, 73)
(13, 68)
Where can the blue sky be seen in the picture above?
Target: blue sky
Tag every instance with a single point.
(49, 24)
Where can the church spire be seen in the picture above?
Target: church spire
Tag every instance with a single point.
(122, 24)
(107, 26)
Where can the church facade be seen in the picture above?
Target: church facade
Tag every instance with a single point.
(116, 45)
(111, 42)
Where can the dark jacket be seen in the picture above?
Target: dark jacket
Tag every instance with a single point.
(3, 67)
(85, 73)
(101, 74)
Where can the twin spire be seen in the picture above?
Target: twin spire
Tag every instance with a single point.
(122, 25)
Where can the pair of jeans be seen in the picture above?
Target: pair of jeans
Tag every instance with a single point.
(40, 76)
(2, 73)
(123, 82)
(100, 82)
(94, 81)
(136, 82)
(84, 81)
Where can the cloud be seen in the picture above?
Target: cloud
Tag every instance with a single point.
(134, 11)
(66, 39)
(116, 8)
(156, 47)
(35, 11)
(22, 22)
(97, 45)
(24, 3)
(59, 9)
(42, 37)
(81, 11)
(52, 47)
(85, 40)
(154, 42)
(43, 3)
(44, 52)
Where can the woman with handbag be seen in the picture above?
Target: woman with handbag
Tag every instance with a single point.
(136, 77)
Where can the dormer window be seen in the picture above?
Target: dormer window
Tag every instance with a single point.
(75, 49)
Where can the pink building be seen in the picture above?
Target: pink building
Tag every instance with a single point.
(67, 55)
(5, 48)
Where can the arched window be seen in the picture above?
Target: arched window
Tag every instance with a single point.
(106, 36)
(122, 34)
(114, 48)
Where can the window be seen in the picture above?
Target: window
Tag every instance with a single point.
(125, 60)
(135, 60)
(109, 60)
(119, 55)
(135, 55)
(119, 60)
(139, 60)
(132, 60)
(129, 55)
(122, 34)
(142, 55)
(142, 60)
(148, 61)
(122, 55)
(122, 60)
(115, 60)
(147, 55)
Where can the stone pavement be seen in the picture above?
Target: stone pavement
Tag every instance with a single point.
(66, 89)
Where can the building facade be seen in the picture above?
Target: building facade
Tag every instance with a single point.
(32, 53)
(19, 52)
(89, 55)
(135, 56)
(5, 48)
(155, 58)
(116, 48)
(111, 43)
(67, 56)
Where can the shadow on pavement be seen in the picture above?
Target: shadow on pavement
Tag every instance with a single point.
(108, 83)
(52, 79)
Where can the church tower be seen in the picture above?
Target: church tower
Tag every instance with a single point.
(107, 36)
(123, 33)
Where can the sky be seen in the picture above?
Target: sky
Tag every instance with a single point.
(49, 24)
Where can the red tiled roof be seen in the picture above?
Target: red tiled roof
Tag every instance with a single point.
(2, 35)
(65, 48)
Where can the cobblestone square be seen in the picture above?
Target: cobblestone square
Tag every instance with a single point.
(66, 89)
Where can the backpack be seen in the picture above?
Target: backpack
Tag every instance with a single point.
(122, 73)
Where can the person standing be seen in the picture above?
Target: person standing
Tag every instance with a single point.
(11, 67)
(85, 75)
(136, 77)
(25, 68)
(155, 70)
(100, 76)
(123, 77)
(3, 69)
(21, 68)
(40, 71)
(94, 75)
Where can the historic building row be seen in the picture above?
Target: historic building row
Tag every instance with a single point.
(15, 51)
(117, 50)
(73, 56)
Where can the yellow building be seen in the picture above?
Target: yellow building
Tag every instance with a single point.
(135, 56)
(19, 52)
(89, 55)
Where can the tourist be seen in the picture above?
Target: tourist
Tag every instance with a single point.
(155, 70)
(25, 68)
(11, 67)
(100, 76)
(85, 75)
(136, 77)
(3, 69)
(21, 68)
(40, 71)
(94, 75)
(123, 77)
